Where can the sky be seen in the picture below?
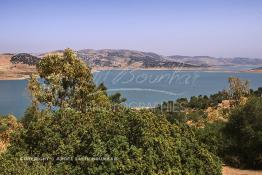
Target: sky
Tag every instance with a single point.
(221, 28)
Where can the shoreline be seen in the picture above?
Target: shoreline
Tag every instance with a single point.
(14, 78)
(96, 70)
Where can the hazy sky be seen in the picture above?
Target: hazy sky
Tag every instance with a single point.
(225, 28)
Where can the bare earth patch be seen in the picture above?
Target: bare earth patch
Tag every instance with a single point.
(233, 171)
(9, 71)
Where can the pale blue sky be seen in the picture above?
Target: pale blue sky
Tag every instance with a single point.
(222, 28)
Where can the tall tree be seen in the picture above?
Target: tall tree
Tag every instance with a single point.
(65, 82)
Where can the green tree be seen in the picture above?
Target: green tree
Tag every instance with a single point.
(257, 92)
(65, 82)
(200, 102)
(217, 98)
(211, 136)
(114, 98)
(244, 135)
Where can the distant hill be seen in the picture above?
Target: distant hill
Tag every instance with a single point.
(24, 58)
(259, 69)
(246, 61)
(16, 66)
(128, 59)
(213, 61)
(110, 59)
(123, 58)
(20, 66)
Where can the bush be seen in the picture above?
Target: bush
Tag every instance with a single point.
(211, 137)
(141, 142)
(244, 135)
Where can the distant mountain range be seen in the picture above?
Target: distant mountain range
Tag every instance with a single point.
(128, 59)
(118, 59)
(18, 66)
(213, 61)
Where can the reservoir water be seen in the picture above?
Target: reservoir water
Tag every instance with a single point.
(139, 87)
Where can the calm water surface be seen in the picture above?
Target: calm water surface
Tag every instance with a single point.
(141, 88)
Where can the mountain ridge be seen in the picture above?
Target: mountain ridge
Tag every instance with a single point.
(214, 61)
(123, 58)
(119, 58)
(18, 66)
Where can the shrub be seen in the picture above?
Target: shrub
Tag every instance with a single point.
(212, 138)
(244, 135)
(141, 142)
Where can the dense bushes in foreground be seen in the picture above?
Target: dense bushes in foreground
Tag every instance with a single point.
(78, 130)
(237, 142)
(244, 135)
(140, 143)
(235, 134)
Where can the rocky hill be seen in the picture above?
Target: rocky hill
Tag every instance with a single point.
(128, 59)
(122, 59)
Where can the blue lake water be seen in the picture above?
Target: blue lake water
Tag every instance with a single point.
(141, 87)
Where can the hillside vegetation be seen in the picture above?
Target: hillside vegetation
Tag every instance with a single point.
(228, 123)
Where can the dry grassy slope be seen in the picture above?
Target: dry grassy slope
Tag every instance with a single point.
(13, 71)
(233, 171)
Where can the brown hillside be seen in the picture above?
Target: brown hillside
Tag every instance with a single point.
(13, 71)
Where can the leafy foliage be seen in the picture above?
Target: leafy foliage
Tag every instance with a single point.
(257, 92)
(140, 142)
(114, 98)
(8, 125)
(134, 141)
(66, 82)
(194, 109)
(244, 135)
(211, 136)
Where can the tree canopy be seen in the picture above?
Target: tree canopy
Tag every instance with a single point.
(122, 141)
(244, 135)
